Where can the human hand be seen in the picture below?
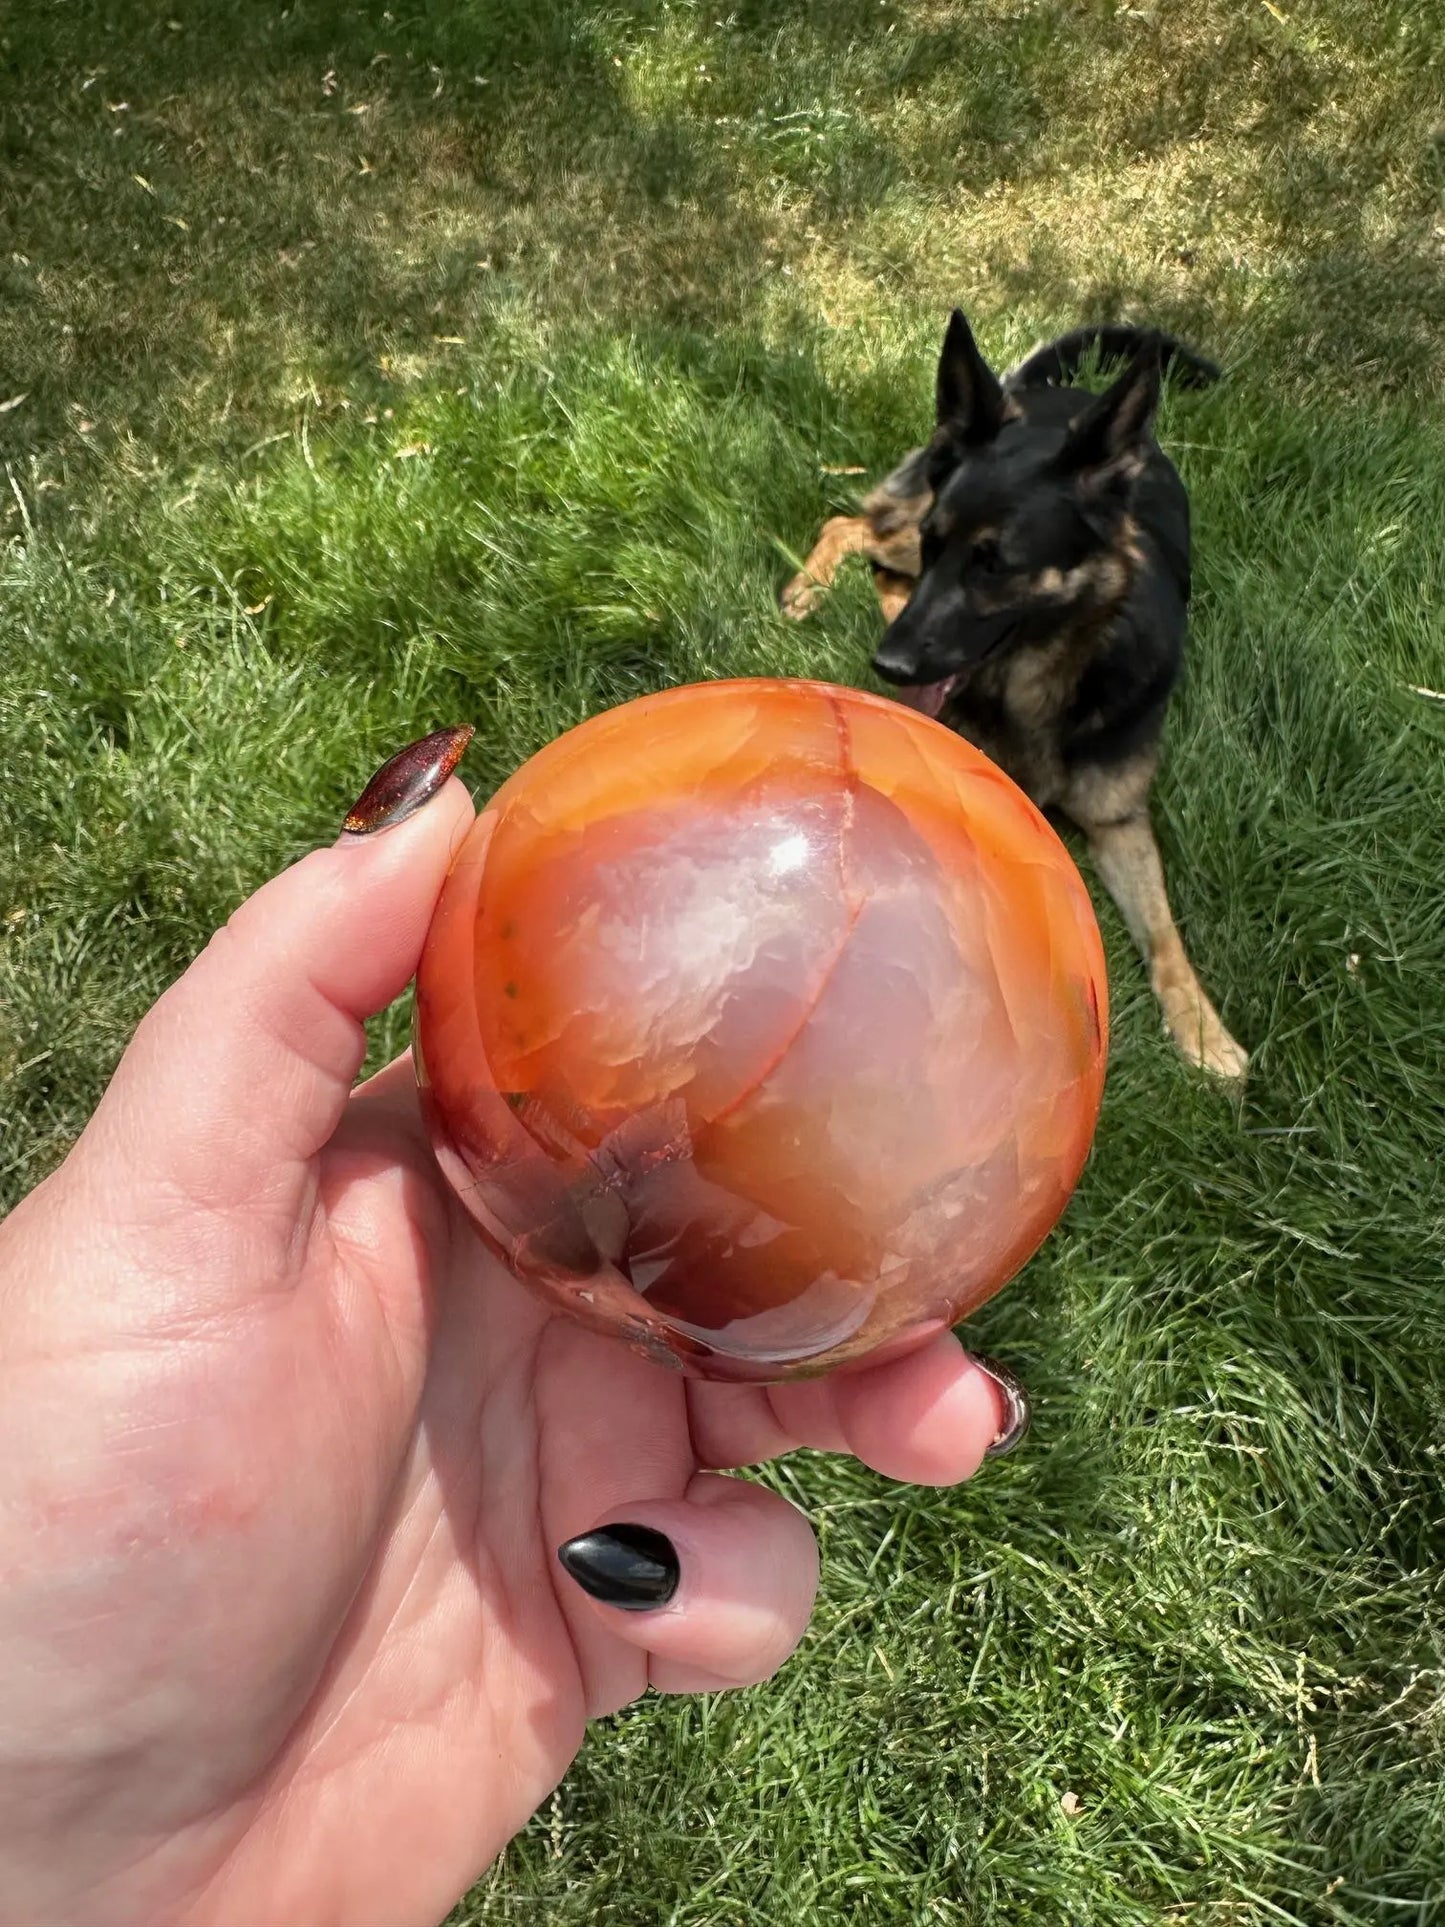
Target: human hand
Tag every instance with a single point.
(286, 1459)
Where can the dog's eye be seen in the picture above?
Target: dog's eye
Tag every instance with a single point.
(985, 556)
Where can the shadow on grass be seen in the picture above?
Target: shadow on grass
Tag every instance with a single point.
(217, 217)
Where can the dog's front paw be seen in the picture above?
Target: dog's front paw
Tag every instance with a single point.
(800, 598)
(1193, 1022)
(1226, 1056)
(1207, 1044)
(1223, 1057)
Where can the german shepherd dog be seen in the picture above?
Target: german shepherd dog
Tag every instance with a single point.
(1032, 562)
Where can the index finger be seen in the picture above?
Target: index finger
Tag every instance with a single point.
(926, 1419)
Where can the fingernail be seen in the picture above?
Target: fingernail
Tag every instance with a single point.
(1017, 1413)
(400, 788)
(628, 1566)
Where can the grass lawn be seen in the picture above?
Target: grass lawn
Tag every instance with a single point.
(364, 369)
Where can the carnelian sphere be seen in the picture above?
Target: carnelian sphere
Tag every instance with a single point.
(763, 1025)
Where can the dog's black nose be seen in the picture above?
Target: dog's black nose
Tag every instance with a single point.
(896, 665)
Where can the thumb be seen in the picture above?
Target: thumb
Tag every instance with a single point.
(241, 1071)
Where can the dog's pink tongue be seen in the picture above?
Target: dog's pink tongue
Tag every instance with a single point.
(927, 697)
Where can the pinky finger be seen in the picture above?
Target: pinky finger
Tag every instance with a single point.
(716, 1587)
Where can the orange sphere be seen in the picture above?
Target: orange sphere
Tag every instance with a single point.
(763, 1025)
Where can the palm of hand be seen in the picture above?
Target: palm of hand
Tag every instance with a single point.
(347, 1491)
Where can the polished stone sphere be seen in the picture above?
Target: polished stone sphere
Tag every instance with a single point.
(763, 1025)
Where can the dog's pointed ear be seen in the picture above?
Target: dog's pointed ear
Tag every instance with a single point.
(1108, 443)
(970, 400)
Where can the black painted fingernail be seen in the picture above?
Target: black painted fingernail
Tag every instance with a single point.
(400, 788)
(628, 1566)
(1017, 1413)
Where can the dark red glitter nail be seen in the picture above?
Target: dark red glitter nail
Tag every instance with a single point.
(412, 778)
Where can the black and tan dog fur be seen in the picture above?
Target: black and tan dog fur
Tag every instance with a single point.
(1032, 562)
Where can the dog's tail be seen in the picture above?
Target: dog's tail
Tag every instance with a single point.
(1059, 361)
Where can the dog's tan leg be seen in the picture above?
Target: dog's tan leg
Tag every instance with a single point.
(1128, 861)
(843, 535)
(893, 592)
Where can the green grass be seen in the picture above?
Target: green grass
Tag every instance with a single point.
(506, 399)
